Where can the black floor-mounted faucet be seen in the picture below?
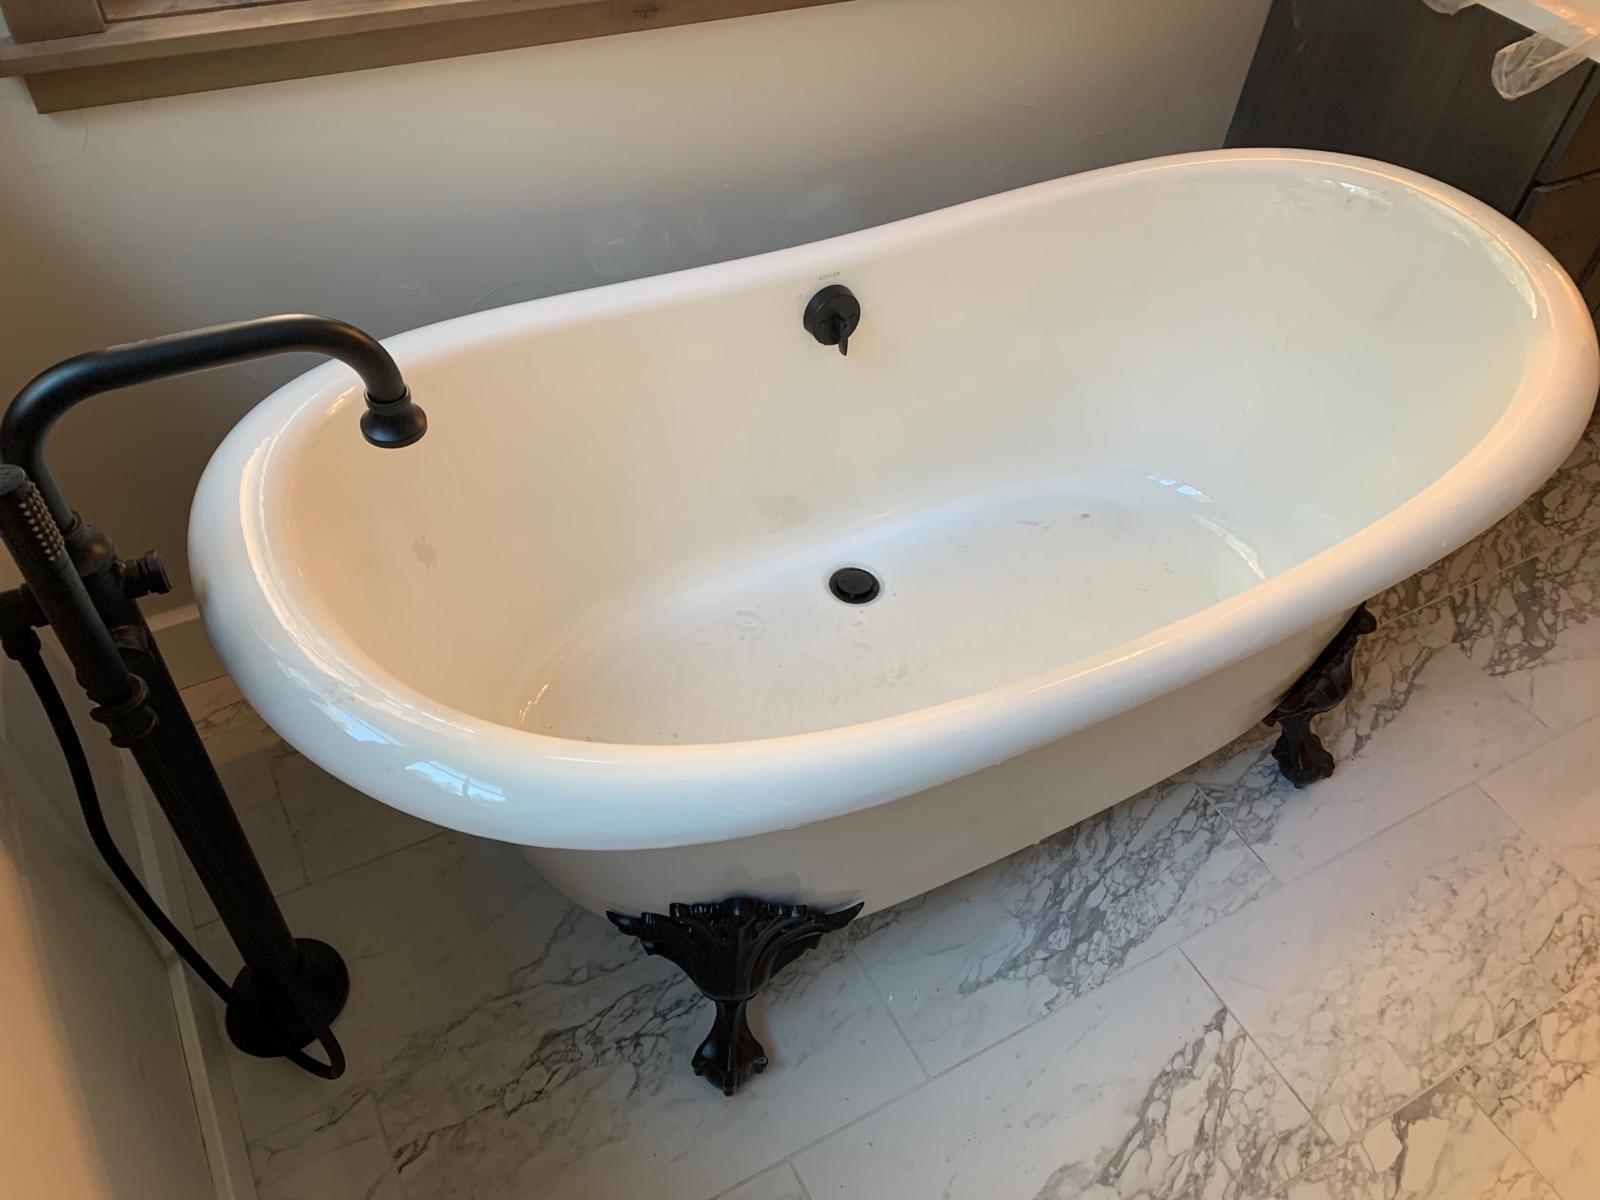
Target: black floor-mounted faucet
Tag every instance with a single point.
(392, 419)
(290, 988)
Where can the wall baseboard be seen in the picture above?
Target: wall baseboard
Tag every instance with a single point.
(185, 646)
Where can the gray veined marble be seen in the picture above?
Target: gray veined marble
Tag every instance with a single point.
(1554, 793)
(1181, 1143)
(1518, 537)
(543, 1071)
(1373, 978)
(226, 722)
(1144, 1089)
(1437, 1147)
(334, 826)
(571, 1081)
(338, 1153)
(977, 959)
(427, 933)
(1422, 721)
(1569, 504)
(512, 1044)
(1536, 628)
(1540, 1084)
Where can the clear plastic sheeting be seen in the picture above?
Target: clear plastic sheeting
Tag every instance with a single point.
(1527, 65)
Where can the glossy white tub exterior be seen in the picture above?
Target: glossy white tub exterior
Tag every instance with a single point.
(1125, 449)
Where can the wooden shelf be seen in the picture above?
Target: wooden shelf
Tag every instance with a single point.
(137, 57)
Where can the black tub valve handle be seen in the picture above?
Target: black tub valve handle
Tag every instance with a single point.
(832, 315)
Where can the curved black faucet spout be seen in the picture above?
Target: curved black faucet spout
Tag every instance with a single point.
(391, 420)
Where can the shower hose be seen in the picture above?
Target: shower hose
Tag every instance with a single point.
(24, 647)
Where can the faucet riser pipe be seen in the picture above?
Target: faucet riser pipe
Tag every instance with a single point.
(181, 775)
(114, 656)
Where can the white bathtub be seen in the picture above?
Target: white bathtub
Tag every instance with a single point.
(1125, 449)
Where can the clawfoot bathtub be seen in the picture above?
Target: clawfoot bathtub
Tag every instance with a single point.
(1119, 455)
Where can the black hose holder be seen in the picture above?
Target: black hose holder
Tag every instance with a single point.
(35, 543)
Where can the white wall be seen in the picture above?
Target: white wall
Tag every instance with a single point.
(95, 1102)
(402, 196)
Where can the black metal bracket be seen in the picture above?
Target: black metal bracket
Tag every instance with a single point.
(730, 950)
(1299, 752)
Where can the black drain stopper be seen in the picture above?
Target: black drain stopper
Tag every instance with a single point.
(854, 585)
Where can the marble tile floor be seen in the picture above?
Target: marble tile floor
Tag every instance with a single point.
(1383, 987)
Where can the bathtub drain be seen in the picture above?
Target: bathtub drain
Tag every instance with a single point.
(853, 585)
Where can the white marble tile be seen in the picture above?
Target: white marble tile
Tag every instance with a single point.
(1519, 536)
(1421, 722)
(334, 826)
(1144, 1089)
(572, 1079)
(1438, 1147)
(1569, 504)
(330, 826)
(205, 699)
(1554, 793)
(335, 1154)
(1536, 629)
(1371, 979)
(1231, 763)
(780, 1183)
(248, 780)
(516, 1045)
(976, 960)
(1541, 1085)
(428, 934)
(228, 725)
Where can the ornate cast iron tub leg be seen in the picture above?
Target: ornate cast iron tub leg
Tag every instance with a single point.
(1300, 753)
(730, 950)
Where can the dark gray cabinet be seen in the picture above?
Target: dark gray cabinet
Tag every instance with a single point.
(1392, 79)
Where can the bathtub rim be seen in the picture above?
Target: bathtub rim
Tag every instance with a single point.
(541, 790)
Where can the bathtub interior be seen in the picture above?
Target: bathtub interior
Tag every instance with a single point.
(1056, 430)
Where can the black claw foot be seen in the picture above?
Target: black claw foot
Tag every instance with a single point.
(730, 1057)
(730, 950)
(1302, 758)
(1299, 752)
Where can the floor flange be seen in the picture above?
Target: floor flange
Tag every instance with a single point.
(260, 1022)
